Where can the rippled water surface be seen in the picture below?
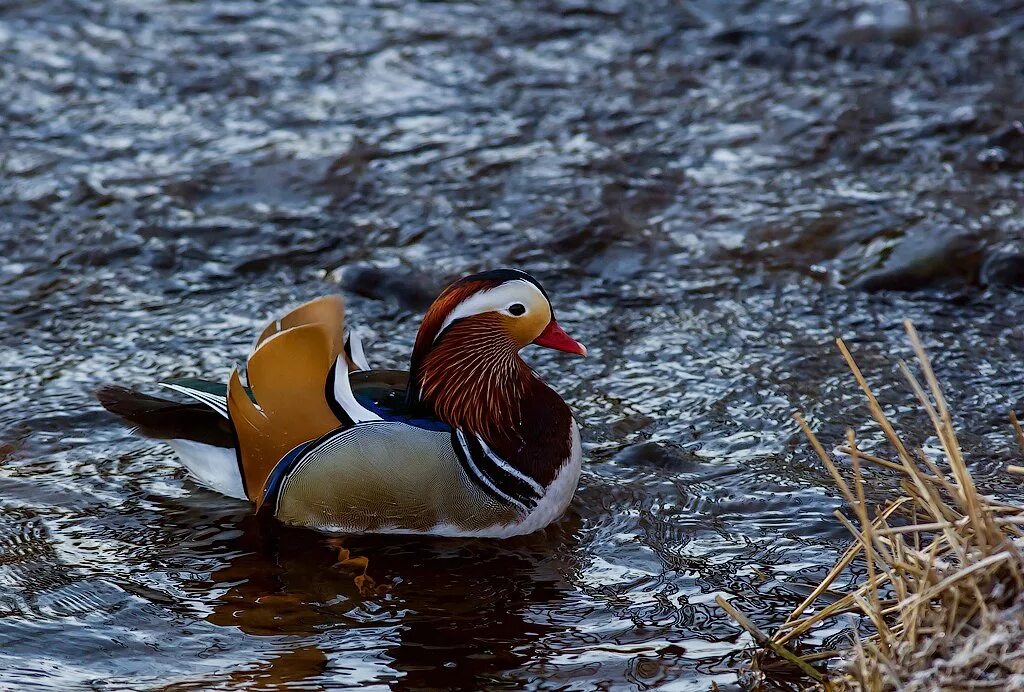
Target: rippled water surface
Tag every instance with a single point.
(697, 184)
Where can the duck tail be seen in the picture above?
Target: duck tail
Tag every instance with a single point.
(163, 419)
(228, 441)
(204, 439)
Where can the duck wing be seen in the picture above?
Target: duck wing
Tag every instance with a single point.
(328, 311)
(296, 373)
(287, 374)
(289, 398)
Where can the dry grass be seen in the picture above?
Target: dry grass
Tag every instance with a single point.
(943, 591)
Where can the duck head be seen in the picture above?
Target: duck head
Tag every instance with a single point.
(466, 366)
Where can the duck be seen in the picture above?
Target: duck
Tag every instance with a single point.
(468, 442)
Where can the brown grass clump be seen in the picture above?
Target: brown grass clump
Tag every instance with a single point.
(944, 585)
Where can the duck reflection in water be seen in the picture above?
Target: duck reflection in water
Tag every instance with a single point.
(456, 610)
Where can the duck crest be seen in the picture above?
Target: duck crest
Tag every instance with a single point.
(433, 321)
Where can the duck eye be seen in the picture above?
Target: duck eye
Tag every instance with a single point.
(516, 309)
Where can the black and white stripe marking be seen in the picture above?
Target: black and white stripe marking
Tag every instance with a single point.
(340, 398)
(508, 468)
(494, 475)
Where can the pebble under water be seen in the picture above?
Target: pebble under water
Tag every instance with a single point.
(710, 191)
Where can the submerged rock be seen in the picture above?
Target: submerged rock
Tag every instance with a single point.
(925, 256)
(410, 291)
(903, 22)
(898, 22)
(656, 455)
(1004, 267)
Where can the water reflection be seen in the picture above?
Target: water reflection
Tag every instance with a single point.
(455, 610)
(285, 670)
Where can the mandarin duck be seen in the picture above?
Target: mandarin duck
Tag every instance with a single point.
(468, 442)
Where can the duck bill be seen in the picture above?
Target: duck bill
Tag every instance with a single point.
(555, 337)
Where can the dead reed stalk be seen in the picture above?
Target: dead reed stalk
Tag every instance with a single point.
(943, 591)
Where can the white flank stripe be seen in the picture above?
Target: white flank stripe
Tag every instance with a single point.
(219, 405)
(484, 479)
(213, 401)
(509, 468)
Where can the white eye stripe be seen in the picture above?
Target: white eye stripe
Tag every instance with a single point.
(496, 299)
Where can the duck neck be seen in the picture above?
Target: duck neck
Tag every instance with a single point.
(473, 379)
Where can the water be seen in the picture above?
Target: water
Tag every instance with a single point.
(695, 184)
